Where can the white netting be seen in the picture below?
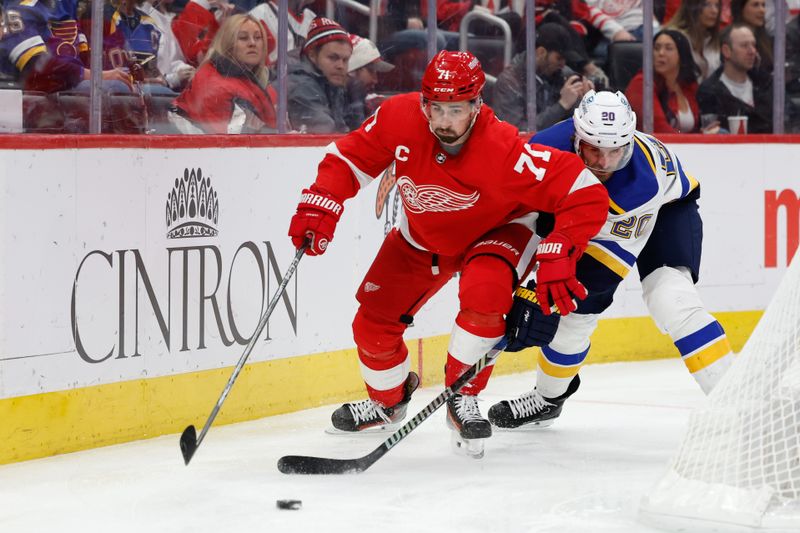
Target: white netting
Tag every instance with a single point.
(738, 467)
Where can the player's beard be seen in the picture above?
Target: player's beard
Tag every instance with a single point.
(447, 136)
(601, 175)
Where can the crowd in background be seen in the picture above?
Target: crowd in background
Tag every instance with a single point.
(209, 66)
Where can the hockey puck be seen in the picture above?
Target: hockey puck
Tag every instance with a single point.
(292, 505)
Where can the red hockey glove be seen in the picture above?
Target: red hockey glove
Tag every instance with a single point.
(316, 218)
(555, 280)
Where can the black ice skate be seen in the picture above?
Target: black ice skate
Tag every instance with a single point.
(470, 429)
(367, 415)
(531, 409)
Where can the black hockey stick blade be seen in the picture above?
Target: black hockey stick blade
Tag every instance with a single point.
(301, 464)
(188, 443)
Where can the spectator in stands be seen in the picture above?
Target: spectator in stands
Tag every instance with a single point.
(793, 75)
(675, 107)
(171, 62)
(300, 19)
(363, 69)
(578, 58)
(196, 26)
(403, 37)
(699, 20)
(45, 50)
(620, 21)
(229, 92)
(725, 16)
(792, 12)
(450, 12)
(199, 21)
(736, 88)
(132, 41)
(558, 89)
(316, 83)
(664, 10)
(753, 14)
(617, 20)
(394, 16)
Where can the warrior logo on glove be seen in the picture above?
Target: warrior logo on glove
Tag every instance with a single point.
(556, 281)
(315, 219)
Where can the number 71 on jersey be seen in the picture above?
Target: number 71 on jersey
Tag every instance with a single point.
(526, 161)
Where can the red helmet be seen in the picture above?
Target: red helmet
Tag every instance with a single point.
(452, 77)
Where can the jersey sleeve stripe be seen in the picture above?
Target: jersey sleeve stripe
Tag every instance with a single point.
(615, 207)
(30, 53)
(647, 154)
(613, 247)
(363, 178)
(584, 179)
(22, 49)
(608, 260)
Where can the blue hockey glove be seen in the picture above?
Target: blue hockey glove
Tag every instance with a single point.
(526, 324)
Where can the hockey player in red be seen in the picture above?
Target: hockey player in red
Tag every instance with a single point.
(472, 191)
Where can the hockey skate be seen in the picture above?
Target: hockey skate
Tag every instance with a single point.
(370, 416)
(469, 428)
(531, 410)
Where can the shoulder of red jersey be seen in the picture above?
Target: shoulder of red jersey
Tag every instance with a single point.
(495, 123)
(495, 136)
(406, 103)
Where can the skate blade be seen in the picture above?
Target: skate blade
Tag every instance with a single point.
(532, 426)
(386, 428)
(472, 448)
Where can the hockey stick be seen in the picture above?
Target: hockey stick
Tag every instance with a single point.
(189, 440)
(301, 464)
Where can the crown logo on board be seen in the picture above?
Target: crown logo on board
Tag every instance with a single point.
(192, 207)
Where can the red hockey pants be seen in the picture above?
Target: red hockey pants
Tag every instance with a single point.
(402, 278)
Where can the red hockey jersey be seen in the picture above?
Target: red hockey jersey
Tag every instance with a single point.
(451, 200)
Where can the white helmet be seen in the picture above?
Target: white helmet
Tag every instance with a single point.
(605, 120)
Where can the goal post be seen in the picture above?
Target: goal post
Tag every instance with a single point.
(738, 467)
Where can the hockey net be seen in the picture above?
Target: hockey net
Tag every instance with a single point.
(738, 468)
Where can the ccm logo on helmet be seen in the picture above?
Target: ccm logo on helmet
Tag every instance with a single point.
(549, 248)
(325, 203)
(443, 90)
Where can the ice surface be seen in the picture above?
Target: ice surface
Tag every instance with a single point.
(584, 474)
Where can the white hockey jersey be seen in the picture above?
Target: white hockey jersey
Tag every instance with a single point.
(653, 178)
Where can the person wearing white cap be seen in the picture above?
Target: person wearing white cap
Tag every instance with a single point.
(366, 62)
(363, 68)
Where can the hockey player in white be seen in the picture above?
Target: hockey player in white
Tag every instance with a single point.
(653, 222)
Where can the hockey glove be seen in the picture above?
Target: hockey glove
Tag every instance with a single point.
(555, 279)
(315, 219)
(526, 324)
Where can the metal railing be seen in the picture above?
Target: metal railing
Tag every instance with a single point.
(371, 11)
(463, 32)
